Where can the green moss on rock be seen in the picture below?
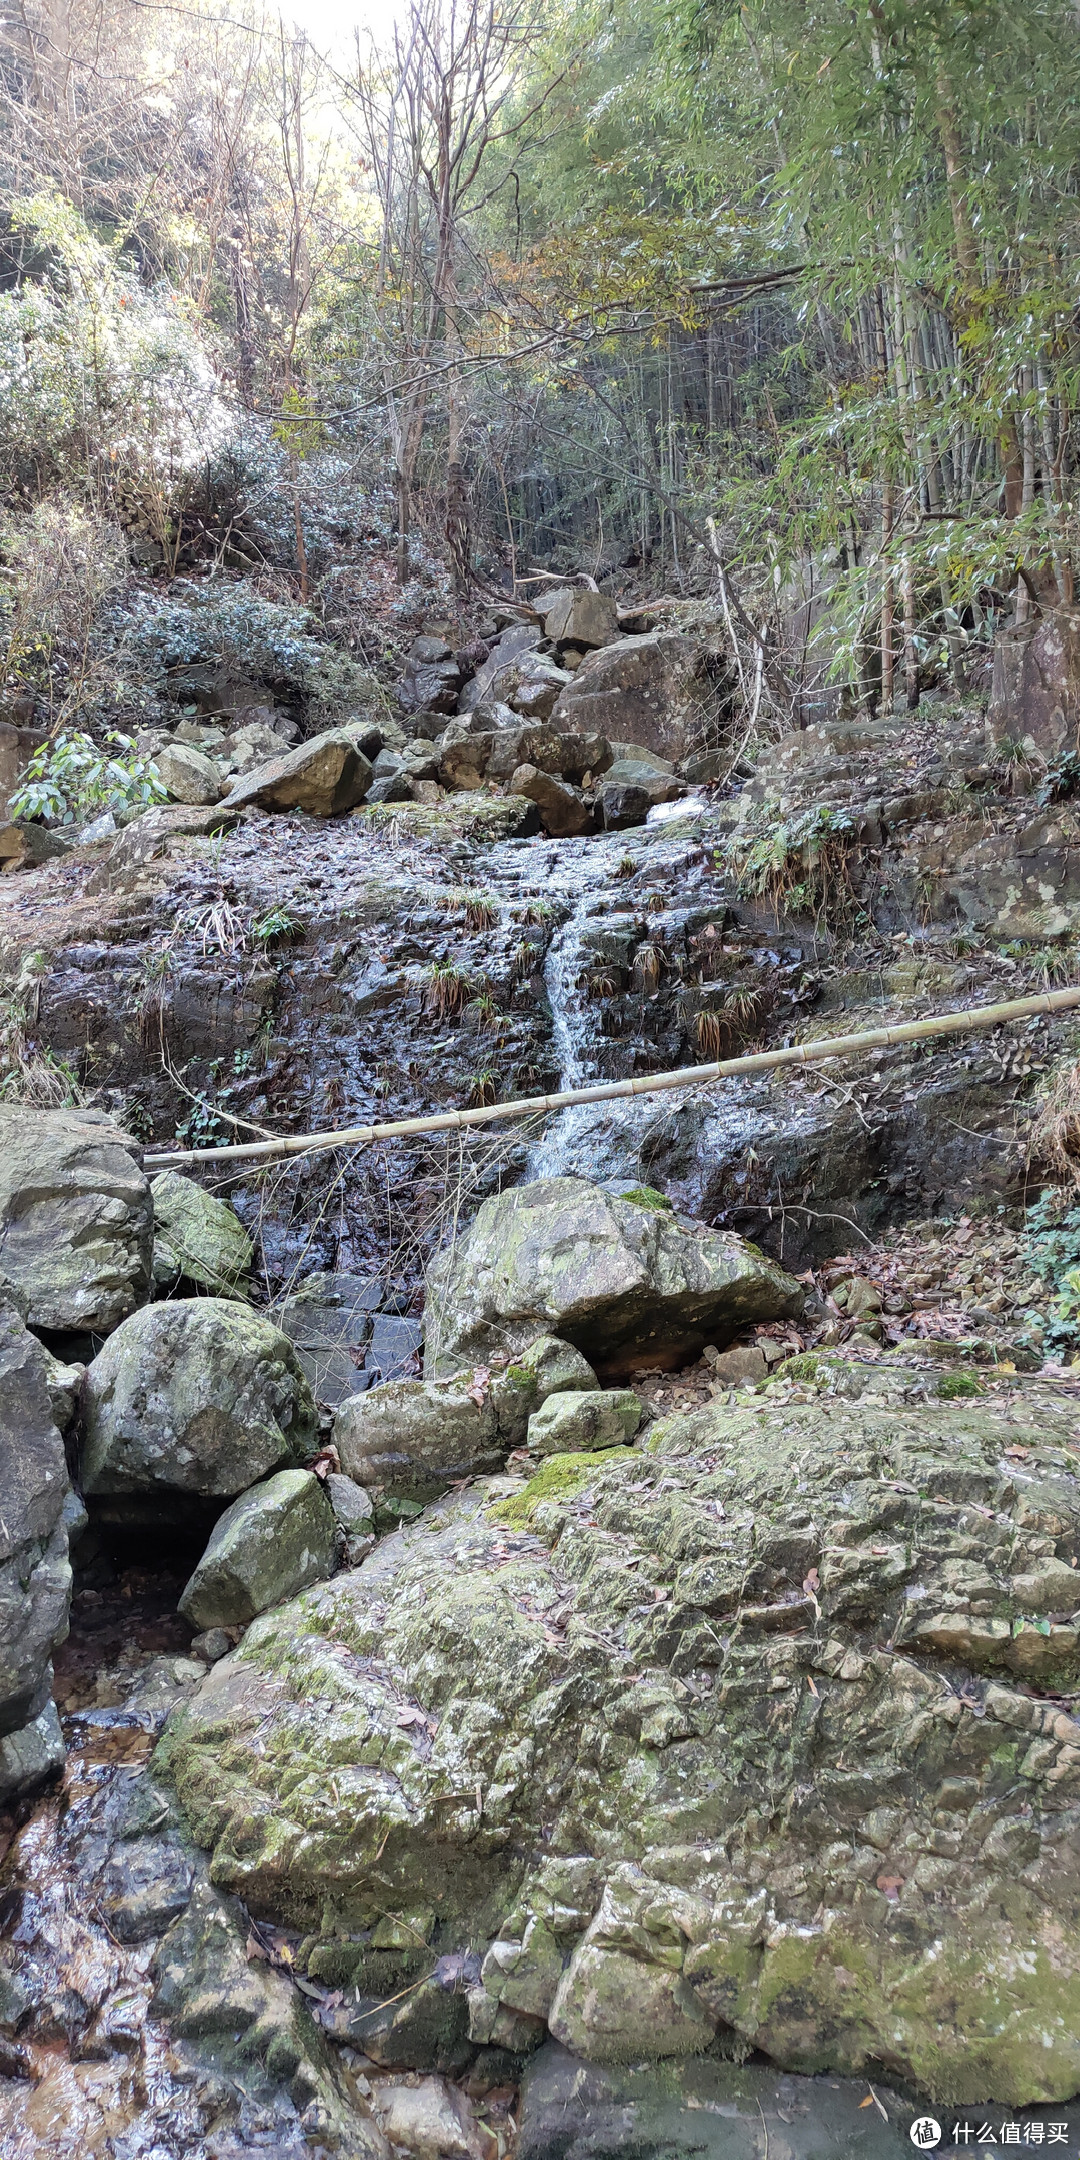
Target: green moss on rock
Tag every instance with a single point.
(750, 1733)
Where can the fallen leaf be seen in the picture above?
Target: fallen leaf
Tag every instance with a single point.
(811, 1687)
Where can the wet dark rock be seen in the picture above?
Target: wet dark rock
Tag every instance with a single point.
(35, 1574)
(329, 1319)
(391, 788)
(211, 1992)
(703, 2109)
(394, 1346)
(428, 2030)
(145, 1887)
(623, 803)
(197, 1397)
(76, 1217)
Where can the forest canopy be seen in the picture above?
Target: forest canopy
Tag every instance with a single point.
(773, 298)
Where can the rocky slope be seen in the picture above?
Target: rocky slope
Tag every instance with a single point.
(681, 1667)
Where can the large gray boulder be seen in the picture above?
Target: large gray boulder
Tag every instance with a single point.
(272, 1542)
(626, 1281)
(200, 1397)
(189, 776)
(197, 1238)
(575, 615)
(325, 776)
(411, 1439)
(653, 690)
(35, 1577)
(759, 1736)
(76, 1217)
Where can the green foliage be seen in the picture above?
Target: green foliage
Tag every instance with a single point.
(226, 625)
(1052, 1251)
(646, 1196)
(276, 927)
(73, 779)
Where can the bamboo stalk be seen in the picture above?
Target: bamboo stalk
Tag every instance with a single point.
(689, 1076)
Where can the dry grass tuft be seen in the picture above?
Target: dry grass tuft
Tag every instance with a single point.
(1054, 1140)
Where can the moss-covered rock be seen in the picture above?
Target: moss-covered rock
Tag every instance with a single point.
(408, 1440)
(197, 1397)
(76, 1217)
(197, 1238)
(588, 1418)
(626, 1283)
(755, 1731)
(275, 1540)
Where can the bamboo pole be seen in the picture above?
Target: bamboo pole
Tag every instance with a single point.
(690, 1076)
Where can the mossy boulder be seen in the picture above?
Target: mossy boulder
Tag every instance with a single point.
(275, 1540)
(76, 1217)
(590, 1418)
(197, 1239)
(35, 1576)
(627, 1284)
(201, 1397)
(410, 1439)
(764, 1726)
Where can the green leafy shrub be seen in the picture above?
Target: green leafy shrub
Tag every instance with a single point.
(1052, 1251)
(226, 625)
(74, 778)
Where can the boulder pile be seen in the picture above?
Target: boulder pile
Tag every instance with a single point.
(547, 1724)
(753, 1735)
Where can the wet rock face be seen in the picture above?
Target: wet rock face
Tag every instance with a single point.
(200, 1397)
(627, 1282)
(35, 1577)
(574, 2111)
(756, 1730)
(76, 1217)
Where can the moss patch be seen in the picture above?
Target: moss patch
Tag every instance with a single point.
(647, 1196)
(560, 1477)
(954, 1386)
